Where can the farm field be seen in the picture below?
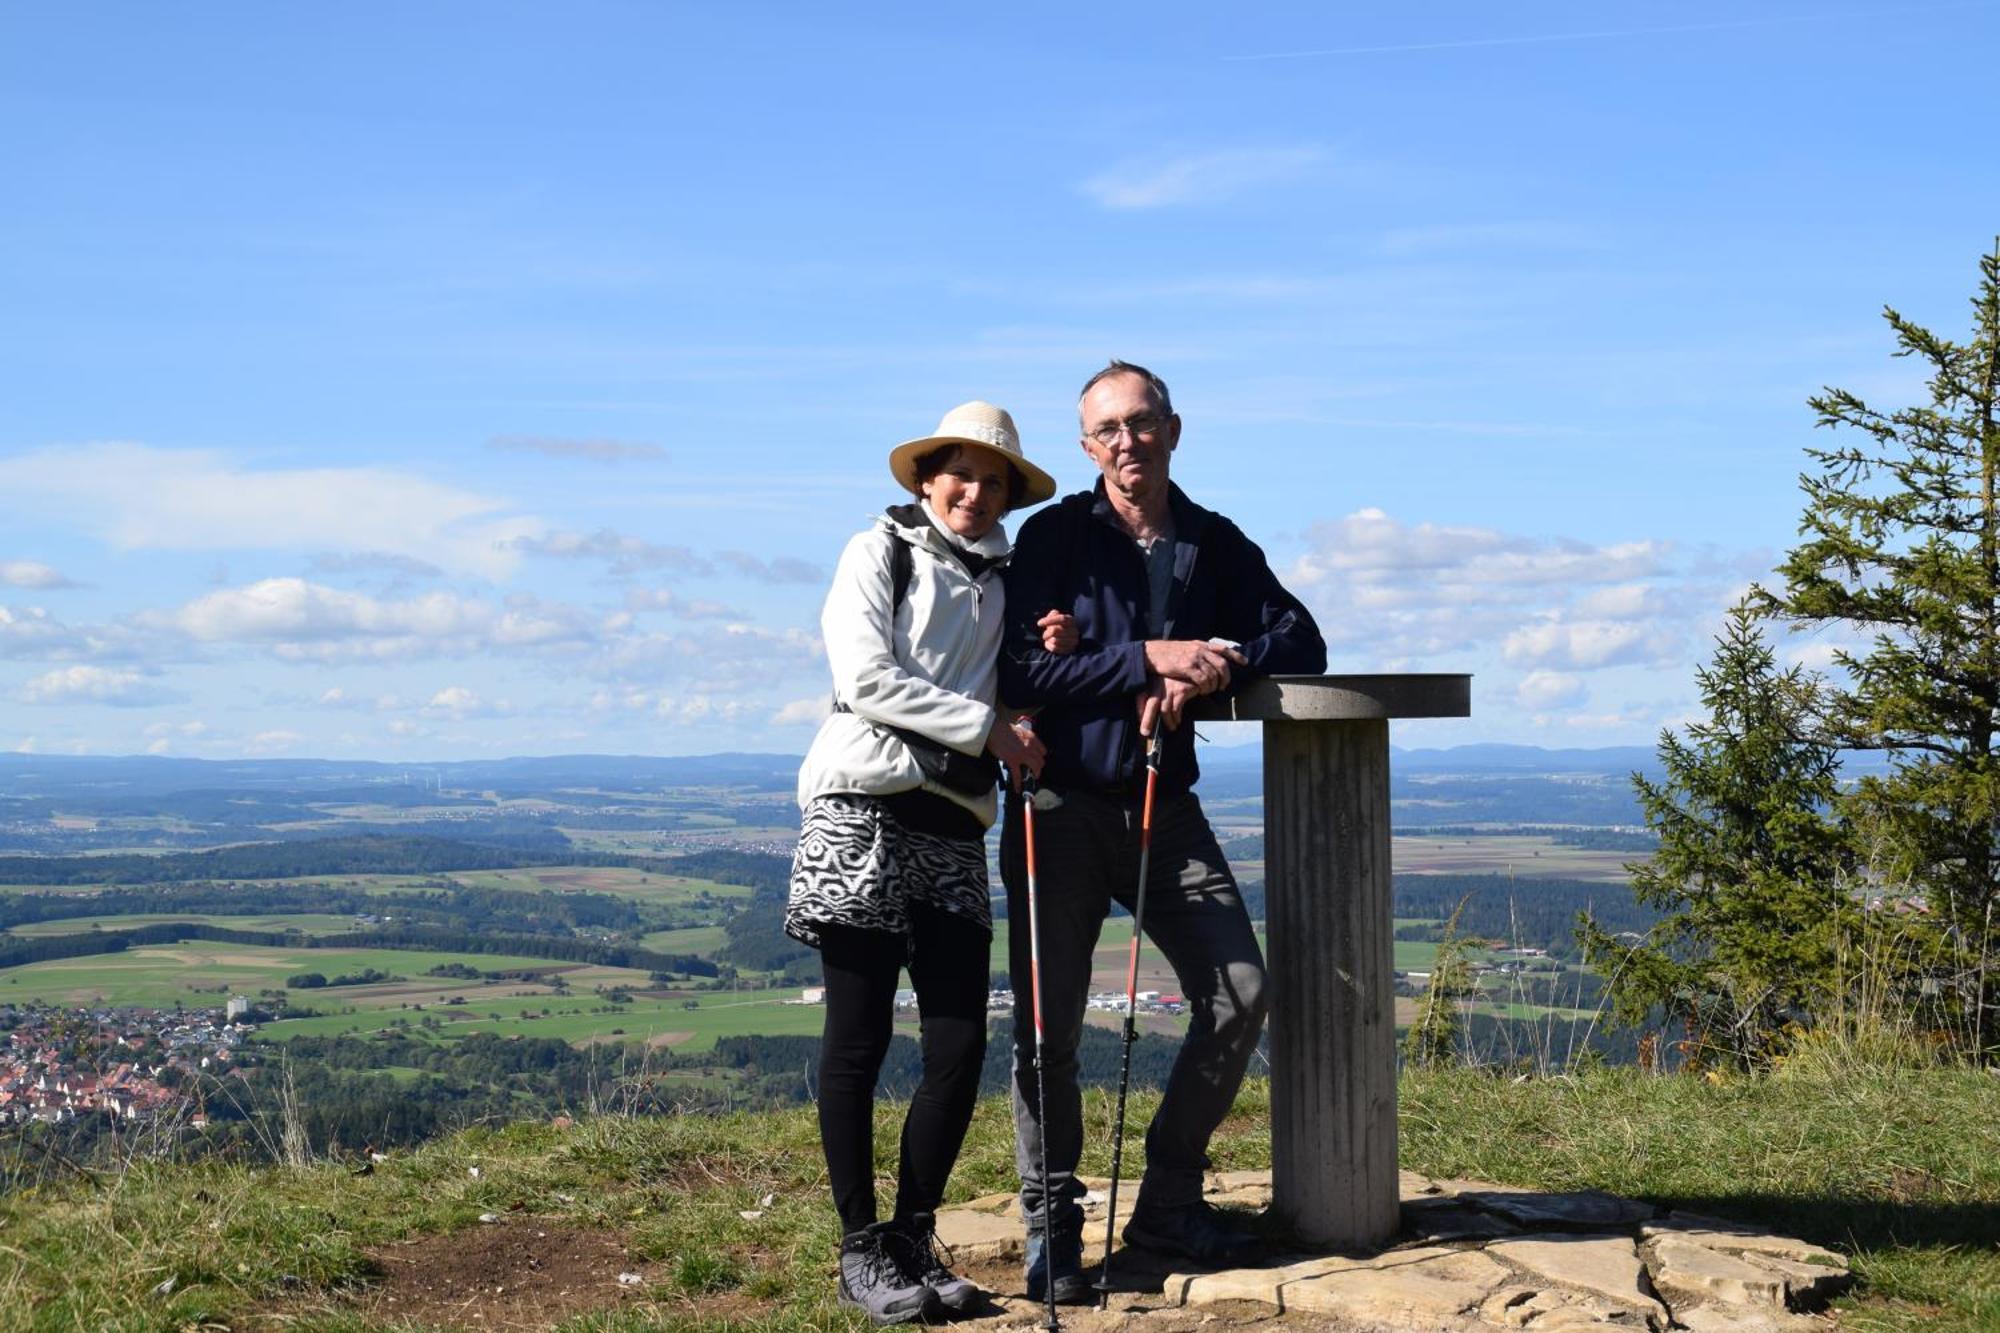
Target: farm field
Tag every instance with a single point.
(311, 923)
(1531, 856)
(1528, 856)
(1114, 946)
(199, 972)
(617, 881)
(659, 1019)
(674, 835)
(702, 940)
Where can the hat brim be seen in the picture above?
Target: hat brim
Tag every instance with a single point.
(903, 465)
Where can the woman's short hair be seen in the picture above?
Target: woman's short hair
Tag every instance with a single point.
(934, 462)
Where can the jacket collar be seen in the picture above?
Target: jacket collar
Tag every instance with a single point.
(1189, 517)
(915, 524)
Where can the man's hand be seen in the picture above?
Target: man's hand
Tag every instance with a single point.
(1202, 665)
(1162, 701)
(1059, 632)
(1013, 742)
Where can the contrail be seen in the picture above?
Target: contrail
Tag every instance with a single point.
(1540, 38)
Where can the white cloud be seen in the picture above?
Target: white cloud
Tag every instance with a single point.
(371, 562)
(271, 742)
(1542, 690)
(28, 745)
(1369, 541)
(143, 498)
(96, 685)
(32, 574)
(161, 736)
(687, 608)
(301, 620)
(784, 569)
(1555, 641)
(1157, 182)
(694, 708)
(810, 711)
(595, 451)
(624, 554)
(30, 632)
(1624, 601)
(729, 659)
(459, 702)
(1393, 595)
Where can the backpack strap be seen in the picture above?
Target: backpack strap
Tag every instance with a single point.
(901, 570)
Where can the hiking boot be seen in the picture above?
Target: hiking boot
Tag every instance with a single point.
(916, 1248)
(1192, 1231)
(873, 1282)
(1062, 1256)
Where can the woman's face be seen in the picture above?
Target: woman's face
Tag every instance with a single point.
(969, 493)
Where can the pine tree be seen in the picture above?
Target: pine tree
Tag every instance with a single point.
(1902, 544)
(1749, 873)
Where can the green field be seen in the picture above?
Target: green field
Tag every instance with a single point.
(310, 923)
(576, 1018)
(1536, 856)
(200, 973)
(702, 940)
(617, 881)
(671, 837)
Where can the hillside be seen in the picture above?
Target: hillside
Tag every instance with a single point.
(723, 1218)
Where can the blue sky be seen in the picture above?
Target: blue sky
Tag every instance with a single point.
(456, 380)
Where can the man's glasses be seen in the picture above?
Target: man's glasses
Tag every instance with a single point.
(1143, 429)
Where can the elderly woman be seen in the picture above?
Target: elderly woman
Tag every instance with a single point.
(897, 793)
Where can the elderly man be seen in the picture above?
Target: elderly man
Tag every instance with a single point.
(1170, 601)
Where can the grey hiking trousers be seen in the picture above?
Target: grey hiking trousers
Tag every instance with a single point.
(1087, 856)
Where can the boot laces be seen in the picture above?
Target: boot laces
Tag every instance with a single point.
(930, 1257)
(879, 1265)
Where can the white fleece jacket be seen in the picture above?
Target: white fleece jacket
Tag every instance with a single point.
(933, 670)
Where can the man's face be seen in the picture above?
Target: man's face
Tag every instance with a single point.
(1137, 438)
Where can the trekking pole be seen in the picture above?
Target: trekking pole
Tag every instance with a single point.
(1131, 1011)
(1029, 792)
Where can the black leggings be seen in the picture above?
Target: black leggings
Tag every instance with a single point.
(949, 970)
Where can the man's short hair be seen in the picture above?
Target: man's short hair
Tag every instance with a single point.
(1117, 367)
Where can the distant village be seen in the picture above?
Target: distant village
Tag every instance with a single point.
(60, 1065)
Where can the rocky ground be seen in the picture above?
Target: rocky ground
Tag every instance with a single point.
(1474, 1256)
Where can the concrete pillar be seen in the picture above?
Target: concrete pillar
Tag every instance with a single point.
(1329, 928)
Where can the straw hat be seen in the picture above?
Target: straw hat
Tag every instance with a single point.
(983, 426)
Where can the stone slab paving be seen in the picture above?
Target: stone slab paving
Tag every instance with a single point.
(1474, 1256)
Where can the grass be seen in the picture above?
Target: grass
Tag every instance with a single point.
(1900, 1170)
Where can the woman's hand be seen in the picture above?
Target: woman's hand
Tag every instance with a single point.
(1016, 746)
(1059, 632)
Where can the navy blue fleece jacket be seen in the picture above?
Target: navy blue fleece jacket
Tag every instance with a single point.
(1074, 557)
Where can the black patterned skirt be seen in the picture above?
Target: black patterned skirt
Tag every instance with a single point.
(857, 866)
